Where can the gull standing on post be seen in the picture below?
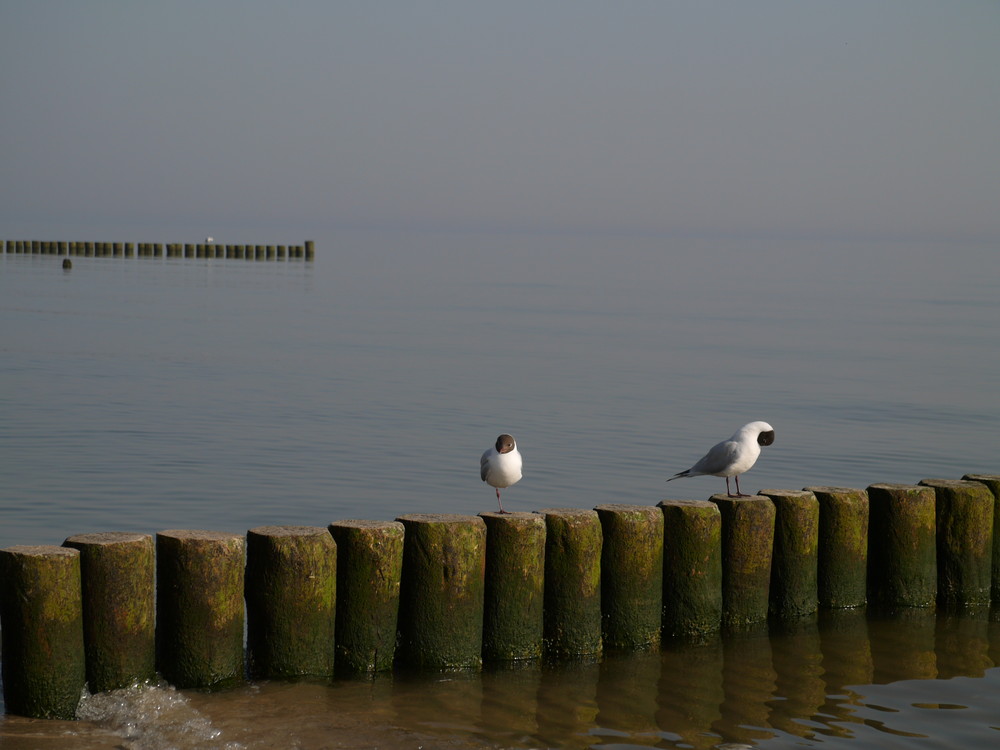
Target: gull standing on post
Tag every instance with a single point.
(500, 466)
(733, 457)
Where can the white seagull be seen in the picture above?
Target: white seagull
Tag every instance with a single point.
(500, 466)
(733, 457)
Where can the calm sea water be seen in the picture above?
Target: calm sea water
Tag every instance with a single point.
(144, 394)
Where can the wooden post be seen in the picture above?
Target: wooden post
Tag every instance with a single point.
(572, 619)
(199, 607)
(843, 546)
(41, 611)
(369, 566)
(291, 595)
(441, 591)
(631, 575)
(692, 568)
(310, 250)
(515, 586)
(795, 565)
(119, 613)
(993, 482)
(747, 548)
(902, 546)
(964, 541)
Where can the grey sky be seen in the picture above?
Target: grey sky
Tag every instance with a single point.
(866, 118)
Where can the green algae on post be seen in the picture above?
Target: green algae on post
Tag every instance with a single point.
(843, 546)
(747, 549)
(964, 541)
(442, 591)
(291, 595)
(118, 574)
(573, 543)
(515, 586)
(41, 610)
(369, 566)
(692, 568)
(902, 546)
(993, 482)
(794, 568)
(631, 575)
(199, 608)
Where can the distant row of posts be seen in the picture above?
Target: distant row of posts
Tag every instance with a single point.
(445, 592)
(306, 251)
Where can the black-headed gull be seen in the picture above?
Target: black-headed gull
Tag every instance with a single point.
(733, 457)
(500, 466)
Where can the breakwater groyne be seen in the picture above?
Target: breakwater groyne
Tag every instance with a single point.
(441, 592)
(207, 249)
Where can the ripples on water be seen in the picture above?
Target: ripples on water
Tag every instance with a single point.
(846, 682)
(142, 395)
(145, 394)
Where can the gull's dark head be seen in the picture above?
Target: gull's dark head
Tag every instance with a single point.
(505, 443)
(766, 437)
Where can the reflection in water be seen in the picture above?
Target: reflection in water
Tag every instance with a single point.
(842, 679)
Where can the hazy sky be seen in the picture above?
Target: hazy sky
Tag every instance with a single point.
(847, 118)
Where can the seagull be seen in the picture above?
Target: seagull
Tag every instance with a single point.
(500, 466)
(733, 457)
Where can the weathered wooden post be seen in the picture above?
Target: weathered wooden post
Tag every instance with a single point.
(369, 566)
(442, 590)
(747, 549)
(993, 482)
(692, 568)
(515, 586)
(902, 546)
(964, 541)
(310, 250)
(41, 611)
(631, 575)
(291, 595)
(572, 619)
(795, 564)
(281, 252)
(199, 607)
(118, 572)
(843, 546)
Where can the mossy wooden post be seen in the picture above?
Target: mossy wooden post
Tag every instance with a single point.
(631, 575)
(843, 546)
(795, 562)
(310, 250)
(291, 595)
(41, 612)
(572, 617)
(515, 586)
(747, 549)
(692, 568)
(442, 590)
(119, 612)
(902, 546)
(993, 482)
(369, 566)
(199, 607)
(964, 518)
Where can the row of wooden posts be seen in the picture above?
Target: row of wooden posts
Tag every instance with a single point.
(435, 591)
(306, 251)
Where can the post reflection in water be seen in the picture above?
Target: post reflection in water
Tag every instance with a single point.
(845, 679)
(804, 681)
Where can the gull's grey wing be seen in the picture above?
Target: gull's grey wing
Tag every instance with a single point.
(718, 459)
(483, 464)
